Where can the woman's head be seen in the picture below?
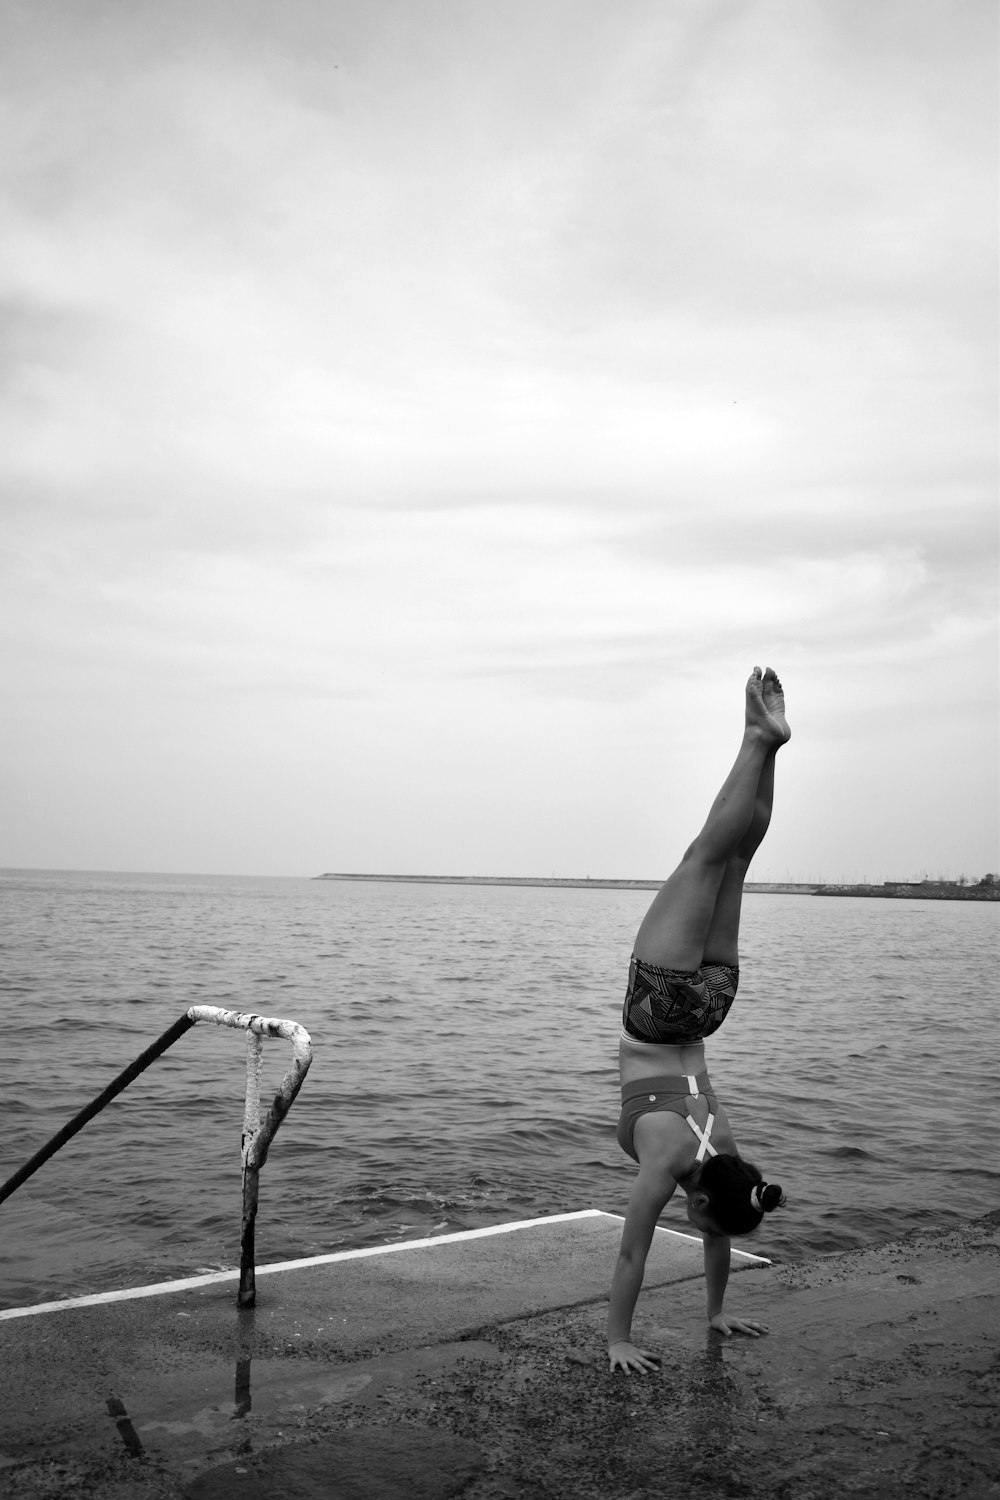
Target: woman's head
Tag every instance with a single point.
(730, 1196)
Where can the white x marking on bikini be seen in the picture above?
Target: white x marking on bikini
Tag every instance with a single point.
(703, 1136)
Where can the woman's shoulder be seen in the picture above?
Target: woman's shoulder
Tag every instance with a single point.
(666, 1138)
(663, 1141)
(722, 1134)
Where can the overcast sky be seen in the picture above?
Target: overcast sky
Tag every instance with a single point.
(417, 416)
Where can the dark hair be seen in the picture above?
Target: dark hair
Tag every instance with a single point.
(728, 1180)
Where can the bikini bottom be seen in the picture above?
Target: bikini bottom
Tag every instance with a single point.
(674, 1007)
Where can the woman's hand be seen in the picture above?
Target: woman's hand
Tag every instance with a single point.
(627, 1357)
(727, 1325)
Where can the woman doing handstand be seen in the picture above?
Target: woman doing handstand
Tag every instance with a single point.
(682, 981)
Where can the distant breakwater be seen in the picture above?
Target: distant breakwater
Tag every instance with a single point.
(921, 890)
(539, 880)
(926, 890)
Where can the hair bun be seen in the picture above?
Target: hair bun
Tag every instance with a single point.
(771, 1198)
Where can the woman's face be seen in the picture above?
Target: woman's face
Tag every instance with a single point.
(700, 1219)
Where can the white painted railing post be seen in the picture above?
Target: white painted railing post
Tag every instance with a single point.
(257, 1137)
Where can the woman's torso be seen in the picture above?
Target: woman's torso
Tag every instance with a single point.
(648, 1059)
(666, 1130)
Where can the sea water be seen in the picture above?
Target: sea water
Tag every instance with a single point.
(465, 1066)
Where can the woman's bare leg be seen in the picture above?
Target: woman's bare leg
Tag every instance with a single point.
(701, 899)
(722, 941)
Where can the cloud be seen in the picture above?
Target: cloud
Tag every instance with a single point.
(503, 371)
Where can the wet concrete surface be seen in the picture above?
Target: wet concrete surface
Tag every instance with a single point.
(880, 1378)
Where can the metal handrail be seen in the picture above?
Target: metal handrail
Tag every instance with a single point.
(257, 1137)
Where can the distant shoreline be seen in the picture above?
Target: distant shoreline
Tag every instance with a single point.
(925, 890)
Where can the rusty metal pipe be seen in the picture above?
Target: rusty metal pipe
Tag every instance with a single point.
(247, 1294)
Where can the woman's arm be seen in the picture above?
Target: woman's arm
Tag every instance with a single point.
(716, 1272)
(716, 1280)
(651, 1193)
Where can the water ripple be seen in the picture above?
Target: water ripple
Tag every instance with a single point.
(461, 1076)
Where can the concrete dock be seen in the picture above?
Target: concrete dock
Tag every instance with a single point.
(474, 1365)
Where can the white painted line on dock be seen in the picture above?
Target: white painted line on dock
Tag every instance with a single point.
(695, 1239)
(213, 1278)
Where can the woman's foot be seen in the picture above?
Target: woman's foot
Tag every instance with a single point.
(766, 706)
